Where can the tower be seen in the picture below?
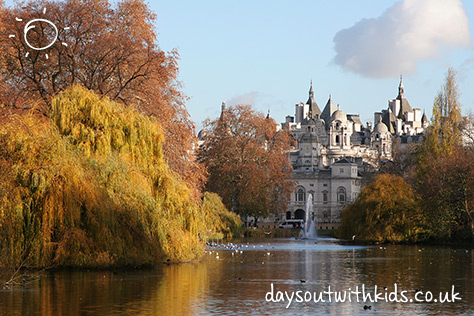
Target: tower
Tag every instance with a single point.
(313, 106)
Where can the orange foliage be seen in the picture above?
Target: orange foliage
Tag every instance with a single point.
(111, 49)
(247, 161)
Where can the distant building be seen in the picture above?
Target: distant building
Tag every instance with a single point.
(333, 148)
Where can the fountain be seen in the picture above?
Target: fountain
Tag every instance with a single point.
(309, 230)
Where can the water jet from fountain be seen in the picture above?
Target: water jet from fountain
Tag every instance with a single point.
(309, 230)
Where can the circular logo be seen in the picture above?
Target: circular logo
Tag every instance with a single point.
(28, 27)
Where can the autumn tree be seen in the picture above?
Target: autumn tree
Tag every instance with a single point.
(247, 160)
(111, 49)
(88, 186)
(444, 133)
(386, 210)
(444, 168)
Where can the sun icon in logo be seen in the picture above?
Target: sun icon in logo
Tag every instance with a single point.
(29, 26)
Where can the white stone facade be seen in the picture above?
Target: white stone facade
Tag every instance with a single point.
(333, 147)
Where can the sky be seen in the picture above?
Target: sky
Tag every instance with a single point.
(266, 53)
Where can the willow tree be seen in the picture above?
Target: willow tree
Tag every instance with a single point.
(247, 161)
(386, 210)
(89, 186)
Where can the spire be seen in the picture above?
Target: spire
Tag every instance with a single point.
(401, 89)
(268, 114)
(313, 106)
(404, 104)
(223, 109)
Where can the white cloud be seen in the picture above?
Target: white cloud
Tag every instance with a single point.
(407, 32)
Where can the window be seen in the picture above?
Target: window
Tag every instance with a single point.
(341, 170)
(311, 184)
(341, 194)
(300, 195)
(325, 196)
(337, 139)
(325, 184)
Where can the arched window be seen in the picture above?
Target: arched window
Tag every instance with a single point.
(300, 195)
(325, 196)
(337, 139)
(341, 194)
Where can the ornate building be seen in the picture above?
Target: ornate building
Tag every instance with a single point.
(334, 150)
(333, 147)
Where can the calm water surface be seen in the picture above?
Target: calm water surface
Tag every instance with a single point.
(227, 282)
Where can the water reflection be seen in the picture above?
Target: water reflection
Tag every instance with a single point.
(235, 283)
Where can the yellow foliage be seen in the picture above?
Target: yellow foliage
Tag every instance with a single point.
(218, 220)
(88, 186)
(385, 211)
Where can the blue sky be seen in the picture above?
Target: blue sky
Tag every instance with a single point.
(265, 53)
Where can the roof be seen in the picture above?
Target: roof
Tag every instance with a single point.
(343, 160)
(202, 133)
(354, 118)
(381, 128)
(389, 120)
(404, 105)
(313, 106)
(424, 119)
(329, 109)
(339, 115)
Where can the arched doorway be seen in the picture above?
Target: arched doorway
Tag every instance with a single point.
(299, 214)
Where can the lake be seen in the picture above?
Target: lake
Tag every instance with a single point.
(238, 281)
